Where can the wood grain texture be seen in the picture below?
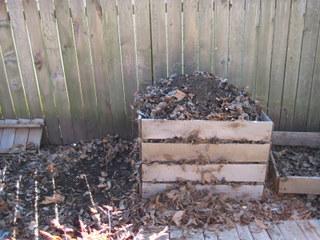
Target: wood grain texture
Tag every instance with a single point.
(22, 134)
(308, 139)
(275, 233)
(299, 185)
(230, 234)
(201, 173)
(237, 130)
(204, 153)
(308, 230)
(291, 230)
(244, 232)
(8, 135)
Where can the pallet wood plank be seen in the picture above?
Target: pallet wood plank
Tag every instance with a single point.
(210, 235)
(258, 233)
(275, 233)
(113, 65)
(228, 235)
(11, 63)
(308, 139)
(53, 58)
(175, 233)
(193, 234)
(190, 36)
(70, 61)
(315, 225)
(22, 134)
(252, 14)
(236, 191)
(159, 48)
(292, 63)
(166, 152)
(86, 75)
(7, 138)
(203, 173)
(244, 232)
(308, 230)
(25, 60)
(236, 130)
(309, 44)
(236, 40)
(174, 32)
(35, 134)
(299, 185)
(291, 230)
(41, 67)
(143, 43)
(278, 59)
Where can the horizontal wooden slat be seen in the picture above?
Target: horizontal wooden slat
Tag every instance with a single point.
(22, 123)
(241, 191)
(204, 129)
(308, 139)
(232, 152)
(203, 173)
(299, 185)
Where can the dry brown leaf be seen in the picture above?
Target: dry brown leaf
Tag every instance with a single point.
(260, 224)
(55, 198)
(179, 95)
(177, 217)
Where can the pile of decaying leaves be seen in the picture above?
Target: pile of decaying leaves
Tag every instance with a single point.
(297, 161)
(197, 96)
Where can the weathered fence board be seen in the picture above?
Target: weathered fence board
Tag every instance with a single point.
(79, 64)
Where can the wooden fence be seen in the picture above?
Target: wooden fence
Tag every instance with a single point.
(79, 63)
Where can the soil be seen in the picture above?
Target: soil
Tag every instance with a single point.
(197, 96)
(297, 161)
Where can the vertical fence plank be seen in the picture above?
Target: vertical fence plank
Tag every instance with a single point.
(213, 43)
(112, 45)
(53, 56)
(205, 34)
(174, 30)
(221, 37)
(128, 53)
(309, 44)
(159, 48)
(143, 42)
(279, 51)
(265, 38)
(236, 40)
(7, 107)
(11, 64)
(292, 63)
(69, 57)
(191, 36)
(95, 20)
(313, 123)
(82, 44)
(15, 10)
(42, 71)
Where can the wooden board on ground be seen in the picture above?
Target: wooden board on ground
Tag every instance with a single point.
(308, 139)
(226, 130)
(234, 191)
(230, 152)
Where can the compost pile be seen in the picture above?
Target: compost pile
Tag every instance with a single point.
(297, 161)
(197, 96)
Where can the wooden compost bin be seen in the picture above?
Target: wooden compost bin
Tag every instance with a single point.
(234, 165)
(295, 184)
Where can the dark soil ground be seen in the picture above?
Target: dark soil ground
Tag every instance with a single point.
(297, 161)
(95, 192)
(197, 96)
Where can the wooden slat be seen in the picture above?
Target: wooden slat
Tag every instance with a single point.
(281, 25)
(228, 235)
(275, 233)
(113, 66)
(69, 57)
(11, 64)
(143, 43)
(35, 134)
(308, 139)
(252, 14)
(299, 185)
(158, 28)
(193, 234)
(174, 30)
(190, 36)
(308, 53)
(42, 71)
(25, 60)
(209, 172)
(53, 58)
(315, 224)
(127, 43)
(205, 34)
(1, 130)
(258, 233)
(244, 232)
(221, 37)
(241, 191)
(210, 235)
(236, 40)
(308, 230)
(175, 233)
(99, 56)
(7, 138)
(166, 152)
(237, 130)
(22, 134)
(292, 63)
(291, 230)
